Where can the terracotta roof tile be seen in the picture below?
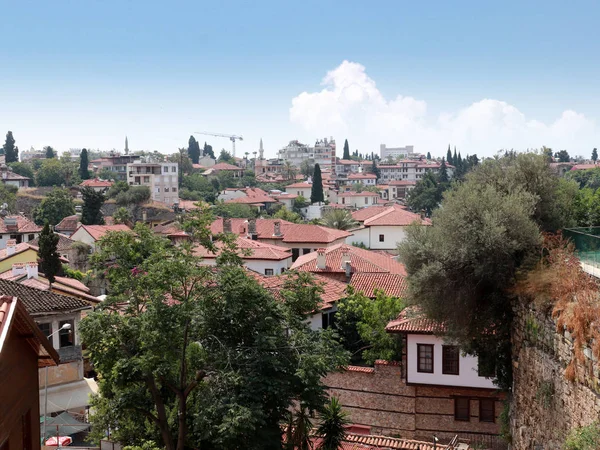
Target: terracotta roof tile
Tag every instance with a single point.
(22, 225)
(20, 248)
(303, 184)
(362, 176)
(264, 227)
(395, 216)
(392, 284)
(312, 233)
(252, 200)
(225, 166)
(256, 250)
(64, 242)
(69, 223)
(361, 261)
(366, 213)
(98, 231)
(96, 182)
(402, 183)
(359, 194)
(11, 176)
(412, 320)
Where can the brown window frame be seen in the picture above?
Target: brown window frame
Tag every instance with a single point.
(456, 417)
(419, 347)
(493, 418)
(445, 369)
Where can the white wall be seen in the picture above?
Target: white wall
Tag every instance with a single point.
(467, 377)
(259, 265)
(392, 235)
(24, 238)
(360, 236)
(83, 236)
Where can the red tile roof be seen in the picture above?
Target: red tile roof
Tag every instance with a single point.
(366, 213)
(188, 205)
(256, 250)
(96, 182)
(584, 166)
(412, 320)
(300, 232)
(170, 229)
(69, 223)
(225, 166)
(303, 184)
(20, 248)
(395, 216)
(362, 176)
(264, 227)
(11, 176)
(391, 284)
(64, 242)
(23, 225)
(98, 231)
(252, 200)
(361, 261)
(402, 183)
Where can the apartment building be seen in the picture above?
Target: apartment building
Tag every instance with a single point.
(116, 164)
(160, 177)
(410, 170)
(322, 153)
(395, 152)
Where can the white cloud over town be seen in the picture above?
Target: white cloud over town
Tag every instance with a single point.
(350, 105)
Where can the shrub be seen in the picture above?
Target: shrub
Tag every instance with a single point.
(133, 196)
(584, 438)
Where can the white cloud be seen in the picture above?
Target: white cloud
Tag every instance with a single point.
(351, 106)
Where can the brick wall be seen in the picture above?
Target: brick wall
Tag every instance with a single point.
(379, 398)
(545, 404)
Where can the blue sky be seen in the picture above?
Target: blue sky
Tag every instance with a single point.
(477, 75)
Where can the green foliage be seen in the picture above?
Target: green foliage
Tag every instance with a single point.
(584, 438)
(360, 245)
(122, 215)
(449, 156)
(193, 150)
(306, 168)
(332, 427)
(595, 154)
(200, 186)
(10, 151)
(226, 157)
(49, 259)
(135, 195)
(50, 153)
(72, 273)
(340, 219)
(442, 175)
(346, 150)
(299, 203)
(92, 204)
(426, 195)
(22, 168)
(106, 174)
(505, 422)
(562, 156)
(375, 170)
(589, 178)
(316, 191)
(361, 325)
(84, 172)
(428, 156)
(216, 365)
(54, 207)
(208, 151)
(51, 173)
(8, 195)
(117, 188)
(234, 210)
(286, 214)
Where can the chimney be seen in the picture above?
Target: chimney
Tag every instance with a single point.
(345, 259)
(144, 215)
(18, 269)
(348, 271)
(321, 259)
(226, 225)
(11, 247)
(4, 172)
(252, 234)
(32, 270)
(277, 228)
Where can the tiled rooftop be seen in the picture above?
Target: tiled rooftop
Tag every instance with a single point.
(412, 320)
(392, 284)
(23, 225)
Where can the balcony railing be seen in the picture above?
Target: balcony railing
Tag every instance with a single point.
(70, 353)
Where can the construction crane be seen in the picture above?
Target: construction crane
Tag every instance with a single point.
(231, 137)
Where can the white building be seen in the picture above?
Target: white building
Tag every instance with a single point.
(368, 179)
(160, 177)
(13, 179)
(409, 170)
(322, 153)
(17, 228)
(358, 199)
(395, 152)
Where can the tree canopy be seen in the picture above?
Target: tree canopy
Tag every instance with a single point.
(50, 153)
(562, 156)
(54, 207)
(11, 152)
(316, 192)
(595, 154)
(92, 204)
(340, 219)
(84, 172)
(426, 195)
(51, 173)
(193, 150)
(49, 259)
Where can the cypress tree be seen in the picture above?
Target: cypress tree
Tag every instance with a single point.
(49, 260)
(449, 156)
(316, 192)
(208, 151)
(10, 151)
(455, 161)
(376, 170)
(594, 155)
(92, 202)
(84, 172)
(49, 152)
(193, 150)
(443, 172)
(428, 156)
(346, 150)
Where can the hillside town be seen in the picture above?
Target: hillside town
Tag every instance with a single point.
(393, 300)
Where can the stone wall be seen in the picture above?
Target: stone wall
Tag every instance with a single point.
(380, 399)
(545, 405)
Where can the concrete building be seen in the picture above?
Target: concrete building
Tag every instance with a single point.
(410, 170)
(13, 179)
(32, 153)
(114, 163)
(322, 153)
(395, 152)
(160, 177)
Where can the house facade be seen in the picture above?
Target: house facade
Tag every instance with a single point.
(97, 184)
(17, 228)
(358, 199)
(162, 178)
(13, 179)
(91, 234)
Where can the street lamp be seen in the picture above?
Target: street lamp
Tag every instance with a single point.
(66, 326)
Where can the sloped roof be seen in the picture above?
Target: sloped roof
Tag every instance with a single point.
(256, 250)
(96, 182)
(302, 184)
(11, 176)
(359, 194)
(69, 223)
(362, 176)
(98, 231)
(412, 320)
(584, 166)
(252, 200)
(402, 183)
(264, 227)
(64, 242)
(20, 248)
(170, 229)
(361, 261)
(366, 213)
(40, 302)
(301, 232)
(23, 225)
(395, 216)
(225, 166)
(393, 284)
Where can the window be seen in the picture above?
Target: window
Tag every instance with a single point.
(305, 251)
(450, 358)
(268, 272)
(30, 237)
(146, 179)
(425, 358)
(66, 336)
(381, 238)
(46, 328)
(174, 169)
(486, 366)
(328, 320)
(166, 189)
(295, 254)
(462, 409)
(487, 411)
(174, 189)
(366, 200)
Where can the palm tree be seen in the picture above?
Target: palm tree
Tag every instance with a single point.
(289, 170)
(339, 219)
(332, 428)
(299, 429)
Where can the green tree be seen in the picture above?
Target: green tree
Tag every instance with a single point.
(584, 438)
(455, 160)
(226, 157)
(50, 153)
(562, 156)
(122, 215)
(340, 219)
(84, 172)
(135, 195)
(22, 168)
(49, 259)
(234, 210)
(346, 150)
(289, 170)
(193, 150)
(375, 170)
(428, 156)
(208, 151)
(595, 154)
(449, 156)
(443, 173)
(11, 152)
(426, 195)
(286, 214)
(361, 326)
(200, 184)
(54, 207)
(316, 191)
(332, 427)
(117, 188)
(217, 365)
(51, 173)
(306, 168)
(92, 204)
(8, 195)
